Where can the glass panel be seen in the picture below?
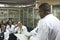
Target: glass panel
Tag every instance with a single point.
(56, 11)
(25, 16)
(30, 17)
(14, 14)
(21, 15)
(36, 17)
(3, 14)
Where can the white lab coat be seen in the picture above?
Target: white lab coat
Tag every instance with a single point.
(25, 33)
(33, 33)
(49, 28)
(8, 31)
(6, 35)
(24, 30)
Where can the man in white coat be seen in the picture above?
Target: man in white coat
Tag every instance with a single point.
(48, 26)
(21, 31)
(10, 33)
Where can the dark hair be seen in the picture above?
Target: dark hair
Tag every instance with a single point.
(7, 22)
(45, 7)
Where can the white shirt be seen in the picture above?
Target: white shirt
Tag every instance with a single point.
(8, 31)
(24, 30)
(33, 33)
(49, 27)
(24, 35)
(6, 34)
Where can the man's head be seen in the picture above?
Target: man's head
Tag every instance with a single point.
(3, 26)
(9, 22)
(19, 24)
(44, 9)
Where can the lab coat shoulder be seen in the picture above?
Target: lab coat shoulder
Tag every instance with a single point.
(50, 20)
(7, 27)
(43, 30)
(42, 23)
(48, 23)
(24, 27)
(25, 31)
(12, 27)
(34, 31)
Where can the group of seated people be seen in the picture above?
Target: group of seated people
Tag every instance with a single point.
(8, 31)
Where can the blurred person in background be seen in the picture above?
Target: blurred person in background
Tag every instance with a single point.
(21, 29)
(2, 30)
(10, 27)
(4, 33)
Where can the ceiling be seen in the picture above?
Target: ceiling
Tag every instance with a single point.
(52, 2)
(18, 2)
(27, 2)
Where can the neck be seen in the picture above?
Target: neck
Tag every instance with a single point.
(45, 14)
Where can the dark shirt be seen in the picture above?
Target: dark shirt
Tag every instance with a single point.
(2, 36)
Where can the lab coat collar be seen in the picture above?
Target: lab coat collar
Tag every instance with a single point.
(49, 15)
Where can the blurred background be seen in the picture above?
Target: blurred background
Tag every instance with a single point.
(26, 10)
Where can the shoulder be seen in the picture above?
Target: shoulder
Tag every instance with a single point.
(23, 26)
(13, 25)
(42, 21)
(7, 26)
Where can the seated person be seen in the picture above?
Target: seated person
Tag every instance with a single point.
(2, 30)
(10, 27)
(21, 29)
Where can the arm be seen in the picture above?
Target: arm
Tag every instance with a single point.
(34, 31)
(15, 29)
(43, 31)
(26, 32)
(6, 35)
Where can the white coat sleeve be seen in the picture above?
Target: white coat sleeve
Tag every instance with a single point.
(26, 32)
(42, 32)
(12, 27)
(16, 29)
(8, 28)
(58, 36)
(33, 32)
(6, 35)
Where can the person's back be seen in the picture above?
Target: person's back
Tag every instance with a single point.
(53, 24)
